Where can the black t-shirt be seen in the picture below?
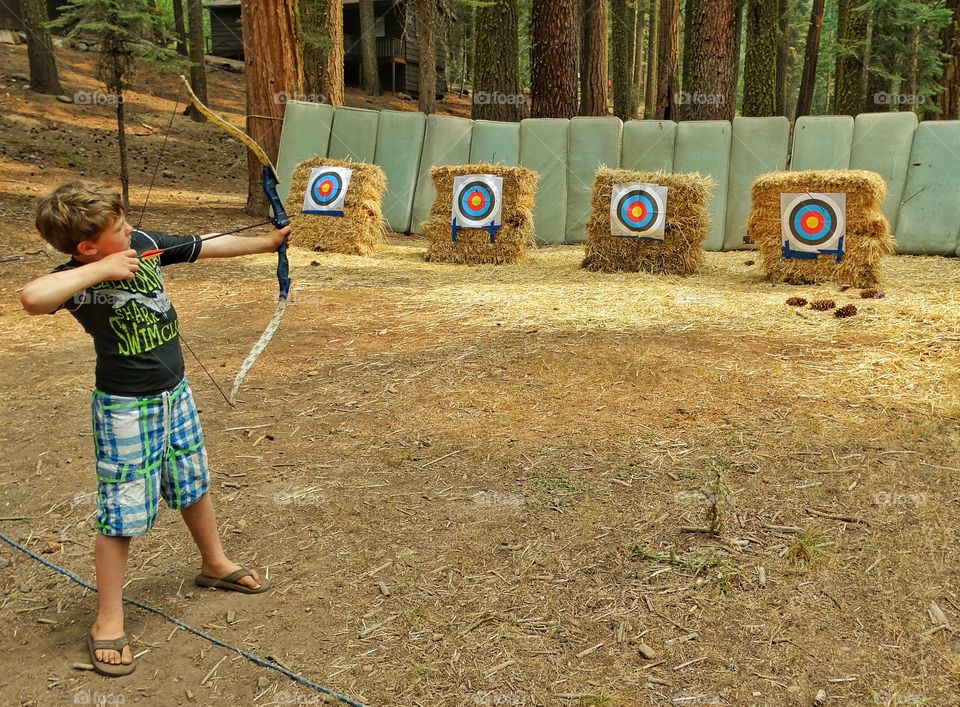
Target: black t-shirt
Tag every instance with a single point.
(133, 323)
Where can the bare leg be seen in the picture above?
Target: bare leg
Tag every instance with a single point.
(202, 522)
(110, 557)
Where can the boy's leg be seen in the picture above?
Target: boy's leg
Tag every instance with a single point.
(202, 522)
(110, 557)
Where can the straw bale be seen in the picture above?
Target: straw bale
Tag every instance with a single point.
(361, 230)
(868, 238)
(473, 246)
(687, 225)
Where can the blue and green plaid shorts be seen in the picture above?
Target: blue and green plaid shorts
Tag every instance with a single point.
(146, 447)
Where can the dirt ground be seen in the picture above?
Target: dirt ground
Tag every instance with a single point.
(489, 486)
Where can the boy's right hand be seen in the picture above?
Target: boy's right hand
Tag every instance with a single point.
(120, 266)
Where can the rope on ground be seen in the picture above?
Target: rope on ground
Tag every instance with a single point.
(262, 662)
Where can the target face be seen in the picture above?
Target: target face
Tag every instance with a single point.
(638, 210)
(477, 200)
(327, 190)
(813, 223)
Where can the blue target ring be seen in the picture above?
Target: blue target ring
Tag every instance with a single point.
(477, 201)
(326, 188)
(813, 221)
(638, 210)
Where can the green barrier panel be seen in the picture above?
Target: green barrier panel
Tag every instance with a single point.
(543, 148)
(759, 146)
(704, 146)
(447, 142)
(648, 145)
(881, 144)
(354, 135)
(930, 210)
(399, 144)
(594, 142)
(822, 142)
(306, 134)
(495, 143)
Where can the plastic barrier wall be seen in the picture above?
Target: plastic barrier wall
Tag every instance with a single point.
(921, 163)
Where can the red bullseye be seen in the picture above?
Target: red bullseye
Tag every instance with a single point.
(812, 223)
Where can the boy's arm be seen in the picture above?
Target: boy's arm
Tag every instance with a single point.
(48, 293)
(230, 246)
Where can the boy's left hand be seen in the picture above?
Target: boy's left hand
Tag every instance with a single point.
(278, 234)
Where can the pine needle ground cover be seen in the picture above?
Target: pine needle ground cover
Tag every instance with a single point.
(868, 238)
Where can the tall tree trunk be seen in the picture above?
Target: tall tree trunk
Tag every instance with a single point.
(322, 23)
(879, 65)
(272, 51)
(593, 58)
(637, 74)
(668, 61)
(810, 56)
(653, 56)
(760, 63)
(43, 66)
(911, 80)
(553, 68)
(122, 144)
(783, 55)
(620, 60)
(949, 99)
(496, 88)
(711, 62)
(851, 29)
(427, 26)
(180, 27)
(198, 73)
(368, 48)
(738, 7)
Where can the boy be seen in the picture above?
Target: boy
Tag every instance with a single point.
(147, 434)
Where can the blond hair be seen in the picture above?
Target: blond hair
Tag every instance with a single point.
(76, 212)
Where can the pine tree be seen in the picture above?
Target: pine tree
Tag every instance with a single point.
(653, 55)
(593, 57)
(198, 73)
(709, 60)
(322, 24)
(43, 66)
(810, 57)
(620, 51)
(427, 26)
(851, 31)
(760, 64)
(668, 60)
(553, 70)
(497, 79)
(949, 99)
(368, 48)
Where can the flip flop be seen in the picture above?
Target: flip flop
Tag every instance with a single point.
(109, 669)
(230, 583)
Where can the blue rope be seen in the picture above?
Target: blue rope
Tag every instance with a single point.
(216, 641)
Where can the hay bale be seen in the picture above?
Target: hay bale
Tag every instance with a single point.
(868, 236)
(473, 246)
(361, 230)
(687, 225)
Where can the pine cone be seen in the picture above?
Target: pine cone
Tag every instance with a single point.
(845, 311)
(872, 294)
(797, 302)
(822, 305)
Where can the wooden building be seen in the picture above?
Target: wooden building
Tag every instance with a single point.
(226, 29)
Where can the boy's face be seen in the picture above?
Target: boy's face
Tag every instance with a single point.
(115, 238)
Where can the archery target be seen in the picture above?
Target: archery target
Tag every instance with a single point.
(326, 191)
(813, 223)
(477, 200)
(638, 210)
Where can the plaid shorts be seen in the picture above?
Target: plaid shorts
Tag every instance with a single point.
(146, 447)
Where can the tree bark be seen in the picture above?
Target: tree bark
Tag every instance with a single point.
(950, 96)
(44, 77)
(322, 23)
(496, 88)
(368, 48)
(760, 63)
(593, 58)
(180, 27)
(783, 55)
(198, 73)
(622, 72)
(554, 61)
(427, 26)
(711, 63)
(272, 51)
(810, 57)
(851, 29)
(653, 56)
(668, 61)
(738, 8)
(637, 74)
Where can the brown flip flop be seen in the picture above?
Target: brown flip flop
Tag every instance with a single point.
(230, 583)
(109, 669)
